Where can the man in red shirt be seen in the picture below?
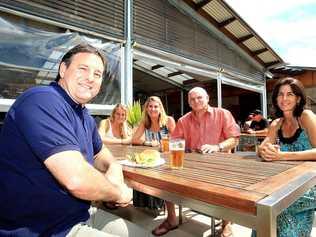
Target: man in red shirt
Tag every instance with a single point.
(205, 129)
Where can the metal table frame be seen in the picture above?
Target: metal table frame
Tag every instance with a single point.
(267, 209)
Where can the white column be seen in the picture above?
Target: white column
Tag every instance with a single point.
(128, 54)
(219, 90)
(264, 102)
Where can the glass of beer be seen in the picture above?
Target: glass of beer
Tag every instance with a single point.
(176, 148)
(164, 143)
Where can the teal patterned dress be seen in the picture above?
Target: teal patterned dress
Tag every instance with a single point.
(297, 219)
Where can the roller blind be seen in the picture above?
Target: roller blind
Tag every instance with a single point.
(101, 16)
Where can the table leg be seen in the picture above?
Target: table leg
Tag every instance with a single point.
(266, 222)
(213, 226)
(180, 215)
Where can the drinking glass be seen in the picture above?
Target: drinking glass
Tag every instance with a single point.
(176, 148)
(164, 143)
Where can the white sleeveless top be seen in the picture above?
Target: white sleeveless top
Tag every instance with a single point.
(109, 133)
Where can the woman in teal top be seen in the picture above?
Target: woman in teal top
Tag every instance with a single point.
(154, 125)
(292, 136)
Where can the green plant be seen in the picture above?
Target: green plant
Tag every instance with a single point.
(134, 114)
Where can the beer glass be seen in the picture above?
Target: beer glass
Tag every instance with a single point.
(176, 148)
(164, 143)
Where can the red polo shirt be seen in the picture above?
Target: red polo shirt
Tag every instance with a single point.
(215, 126)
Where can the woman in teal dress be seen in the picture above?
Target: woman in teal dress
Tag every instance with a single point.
(154, 125)
(292, 136)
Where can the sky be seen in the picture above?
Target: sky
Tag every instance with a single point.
(288, 26)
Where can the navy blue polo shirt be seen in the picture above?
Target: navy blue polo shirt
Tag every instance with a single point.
(43, 121)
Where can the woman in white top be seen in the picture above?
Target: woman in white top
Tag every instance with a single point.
(115, 130)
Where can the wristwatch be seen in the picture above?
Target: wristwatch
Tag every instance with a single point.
(220, 147)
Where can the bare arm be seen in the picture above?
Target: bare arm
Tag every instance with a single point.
(227, 145)
(82, 180)
(108, 140)
(139, 136)
(171, 125)
(262, 132)
(106, 163)
(272, 133)
(230, 143)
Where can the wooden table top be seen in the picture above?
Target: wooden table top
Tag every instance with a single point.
(227, 180)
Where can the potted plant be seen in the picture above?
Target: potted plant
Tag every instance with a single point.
(134, 114)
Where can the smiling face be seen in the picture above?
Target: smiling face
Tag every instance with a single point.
(83, 77)
(153, 109)
(120, 115)
(198, 100)
(286, 99)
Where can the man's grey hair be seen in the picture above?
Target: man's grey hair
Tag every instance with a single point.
(198, 90)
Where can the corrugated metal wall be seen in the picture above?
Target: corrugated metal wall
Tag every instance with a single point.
(159, 24)
(101, 16)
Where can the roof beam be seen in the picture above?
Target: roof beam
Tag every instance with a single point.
(244, 38)
(230, 35)
(175, 74)
(156, 67)
(260, 51)
(190, 81)
(226, 22)
(156, 75)
(271, 63)
(201, 4)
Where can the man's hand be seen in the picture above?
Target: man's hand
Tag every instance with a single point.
(124, 200)
(115, 175)
(206, 148)
(126, 196)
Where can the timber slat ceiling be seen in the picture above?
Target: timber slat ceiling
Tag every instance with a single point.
(226, 20)
(237, 29)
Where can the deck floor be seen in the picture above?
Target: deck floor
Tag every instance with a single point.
(194, 224)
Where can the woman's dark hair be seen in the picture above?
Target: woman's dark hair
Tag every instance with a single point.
(80, 48)
(298, 90)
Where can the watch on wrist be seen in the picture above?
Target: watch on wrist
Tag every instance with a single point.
(220, 147)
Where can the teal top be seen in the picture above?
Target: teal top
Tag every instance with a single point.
(301, 143)
(297, 219)
(150, 135)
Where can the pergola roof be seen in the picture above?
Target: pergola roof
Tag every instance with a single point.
(227, 21)
(290, 70)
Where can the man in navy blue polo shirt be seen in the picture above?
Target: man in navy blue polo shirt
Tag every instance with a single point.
(52, 162)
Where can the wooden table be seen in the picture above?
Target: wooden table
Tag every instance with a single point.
(237, 187)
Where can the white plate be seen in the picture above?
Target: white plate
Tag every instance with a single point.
(159, 162)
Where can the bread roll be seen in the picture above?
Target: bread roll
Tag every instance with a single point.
(153, 154)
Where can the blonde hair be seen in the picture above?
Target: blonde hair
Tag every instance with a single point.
(116, 107)
(163, 118)
(124, 129)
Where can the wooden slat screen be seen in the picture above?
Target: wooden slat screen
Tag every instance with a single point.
(159, 24)
(101, 16)
(205, 45)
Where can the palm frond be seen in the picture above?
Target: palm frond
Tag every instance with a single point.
(134, 114)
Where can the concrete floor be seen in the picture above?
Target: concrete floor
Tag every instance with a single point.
(194, 224)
